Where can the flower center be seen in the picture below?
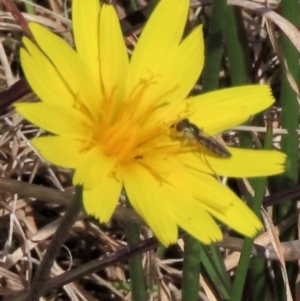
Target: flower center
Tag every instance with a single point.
(127, 131)
(124, 134)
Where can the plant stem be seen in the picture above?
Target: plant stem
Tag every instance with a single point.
(137, 279)
(191, 269)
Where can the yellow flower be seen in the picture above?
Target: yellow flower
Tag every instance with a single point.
(112, 121)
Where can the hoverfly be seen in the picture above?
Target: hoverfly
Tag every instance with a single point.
(190, 131)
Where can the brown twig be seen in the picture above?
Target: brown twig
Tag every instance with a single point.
(43, 271)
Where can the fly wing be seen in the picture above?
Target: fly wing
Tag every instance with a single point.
(213, 145)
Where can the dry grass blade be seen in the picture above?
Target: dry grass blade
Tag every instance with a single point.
(276, 245)
(288, 28)
(12, 8)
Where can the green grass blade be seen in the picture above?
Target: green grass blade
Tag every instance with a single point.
(191, 269)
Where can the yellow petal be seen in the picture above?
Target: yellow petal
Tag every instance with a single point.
(191, 216)
(239, 217)
(102, 200)
(94, 165)
(85, 18)
(61, 151)
(158, 40)
(243, 163)
(40, 72)
(177, 77)
(70, 67)
(114, 60)
(250, 163)
(56, 119)
(220, 110)
(184, 70)
(236, 212)
(147, 195)
(200, 185)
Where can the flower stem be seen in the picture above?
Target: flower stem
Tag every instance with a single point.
(43, 271)
(137, 280)
(191, 269)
